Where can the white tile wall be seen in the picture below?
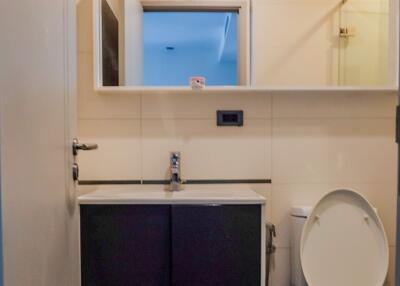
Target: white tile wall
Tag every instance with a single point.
(92, 105)
(119, 155)
(208, 151)
(334, 150)
(330, 105)
(308, 144)
(280, 267)
(198, 106)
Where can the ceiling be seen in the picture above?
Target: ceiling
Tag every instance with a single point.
(192, 29)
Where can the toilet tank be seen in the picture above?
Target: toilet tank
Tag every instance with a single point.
(299, 215)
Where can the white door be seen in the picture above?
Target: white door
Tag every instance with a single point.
(37, 68)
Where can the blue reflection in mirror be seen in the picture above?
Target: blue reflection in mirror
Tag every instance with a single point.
(180, 45)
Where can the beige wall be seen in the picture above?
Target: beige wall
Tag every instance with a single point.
(295, 42)
(307, 143)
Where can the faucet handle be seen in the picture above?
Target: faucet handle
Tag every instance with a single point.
(175, 157)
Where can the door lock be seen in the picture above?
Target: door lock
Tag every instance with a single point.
(75, 172)
(398, 125)
(76, 146)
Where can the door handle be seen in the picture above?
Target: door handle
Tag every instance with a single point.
(76, 146)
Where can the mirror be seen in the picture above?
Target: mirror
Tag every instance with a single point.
(325, 43)
(110, 45)
(364, 43)
(168, 43)
(148, 45)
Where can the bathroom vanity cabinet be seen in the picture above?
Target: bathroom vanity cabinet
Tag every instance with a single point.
(176, 242)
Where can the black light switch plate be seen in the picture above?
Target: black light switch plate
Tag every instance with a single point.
(230, 118)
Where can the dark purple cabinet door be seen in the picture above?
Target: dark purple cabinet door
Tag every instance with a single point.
(125, 245)
(216, 245)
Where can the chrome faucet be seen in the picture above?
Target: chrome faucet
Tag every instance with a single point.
(175, 170)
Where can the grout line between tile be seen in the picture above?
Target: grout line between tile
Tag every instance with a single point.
(272, 156)
(141, 137)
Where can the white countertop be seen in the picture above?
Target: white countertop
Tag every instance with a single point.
(126, 197)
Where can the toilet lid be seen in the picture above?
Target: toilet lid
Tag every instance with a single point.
(344, 243)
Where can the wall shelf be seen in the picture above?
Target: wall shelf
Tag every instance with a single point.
(130, 90)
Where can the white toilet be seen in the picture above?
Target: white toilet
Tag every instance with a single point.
(340, 241)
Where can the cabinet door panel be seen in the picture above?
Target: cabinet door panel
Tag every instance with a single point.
(125, 245)
(216, 245)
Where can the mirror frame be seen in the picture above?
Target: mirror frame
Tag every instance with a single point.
(244, 30)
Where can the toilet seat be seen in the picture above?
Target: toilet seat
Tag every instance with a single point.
(344, 243)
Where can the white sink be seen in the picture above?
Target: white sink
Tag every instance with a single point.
(164, 197)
